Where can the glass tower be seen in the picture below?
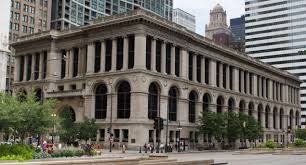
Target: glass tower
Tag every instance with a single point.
(69, 13)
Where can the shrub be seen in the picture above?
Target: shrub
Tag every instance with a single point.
(16, 152)
(79, 153)
(298, 142)
(56, 154)
(67, 153)
(270, 144)
(41, 155)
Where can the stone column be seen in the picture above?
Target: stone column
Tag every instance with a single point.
(125, 53)
(213, 71)
(228, 77)
(153, 55)
(53, 63)
(247, 83)
(173, 60)
(140, 51)
(263, 119)
(242, 81)
(67, 64)
(90, 58)
(41, 63)
(221, 75)
(203, 70)
(33, 66)
(184, 64)
(254, 85)
(25, 67)
(285, 93)
(114, 55)
(260, 86)
(270, 89)
(236, 79)
(102, 64)
(17, 69)
(80, 61)
(163, 58)
(194, 67)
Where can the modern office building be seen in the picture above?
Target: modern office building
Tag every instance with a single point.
(237, 27)
(185, 19)
(72, 13)
(276, 34)
(130, 68)
(4, 55)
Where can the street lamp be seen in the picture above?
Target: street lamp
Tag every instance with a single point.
(53, 131)
(179, 128)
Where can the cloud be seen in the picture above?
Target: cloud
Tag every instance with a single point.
(201, 8)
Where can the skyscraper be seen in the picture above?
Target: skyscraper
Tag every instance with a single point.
(72, 13)
(185, 19)
(237, 26)
(275, 34)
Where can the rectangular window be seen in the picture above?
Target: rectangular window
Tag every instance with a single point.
(251, 83)
(125, 135)
(119, 53)
(177, 61)
(29, 67)
(168, 58)
(207, 71)
(245, 82)
(240, 83)
(231, 79)
(108, 55)
(158, 56)
(148, 52)
(63, 63)
(171, 136)
(21, 69)
(131, 52)
(75, 62)
(224, 75)
(44, 65)
(199, 73)
(218, 74)
(116, 135)
(151, 136)
(190, 66)
(102, 135)
(267, 88)
(36, 67)
(281, 92)
(97, 56)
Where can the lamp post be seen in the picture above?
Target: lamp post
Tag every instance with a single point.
(111, 116)
(179, 128)
(53, 131)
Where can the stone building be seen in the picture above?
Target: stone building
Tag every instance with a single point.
(129, 68)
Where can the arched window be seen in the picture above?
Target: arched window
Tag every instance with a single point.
(124, 100)
(192, 106)
(251, 108)
(38, 95)
(206, 102)
(68, 113)
(259, 112)
(297, 118)
(281, 118)
(153, 101)
(172, 101)
(220, 103)
(274, 117)
(267, 113)
(241, 106)
(101, 102)
(231, 105)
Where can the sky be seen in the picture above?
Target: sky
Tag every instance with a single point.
(201, 8)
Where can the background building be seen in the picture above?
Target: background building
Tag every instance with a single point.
(4, 56)
(29, 16)
(71, 13)
(217, 28)
(275, 34)
(237, 27)
(183, 18)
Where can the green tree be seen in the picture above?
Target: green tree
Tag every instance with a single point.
(233, 127)
(68, 128)
(253, 130)
(300, 133)
(87, 129)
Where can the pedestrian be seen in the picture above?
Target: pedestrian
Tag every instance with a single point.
(44, 146)
(161, 147)
(123, 148)
(145, 147)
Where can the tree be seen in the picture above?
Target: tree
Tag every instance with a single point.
(253, 130)
(87, 129)
(68, 129)
(301, 134)
(233, 127)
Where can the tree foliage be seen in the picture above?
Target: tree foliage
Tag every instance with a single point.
(24, 115)
(301, 134)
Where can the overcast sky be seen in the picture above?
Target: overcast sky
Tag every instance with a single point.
(201, 8)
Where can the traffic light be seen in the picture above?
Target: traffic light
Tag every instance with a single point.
(156, 123)
(108, 130)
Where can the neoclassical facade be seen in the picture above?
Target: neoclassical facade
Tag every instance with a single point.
(127, 69)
